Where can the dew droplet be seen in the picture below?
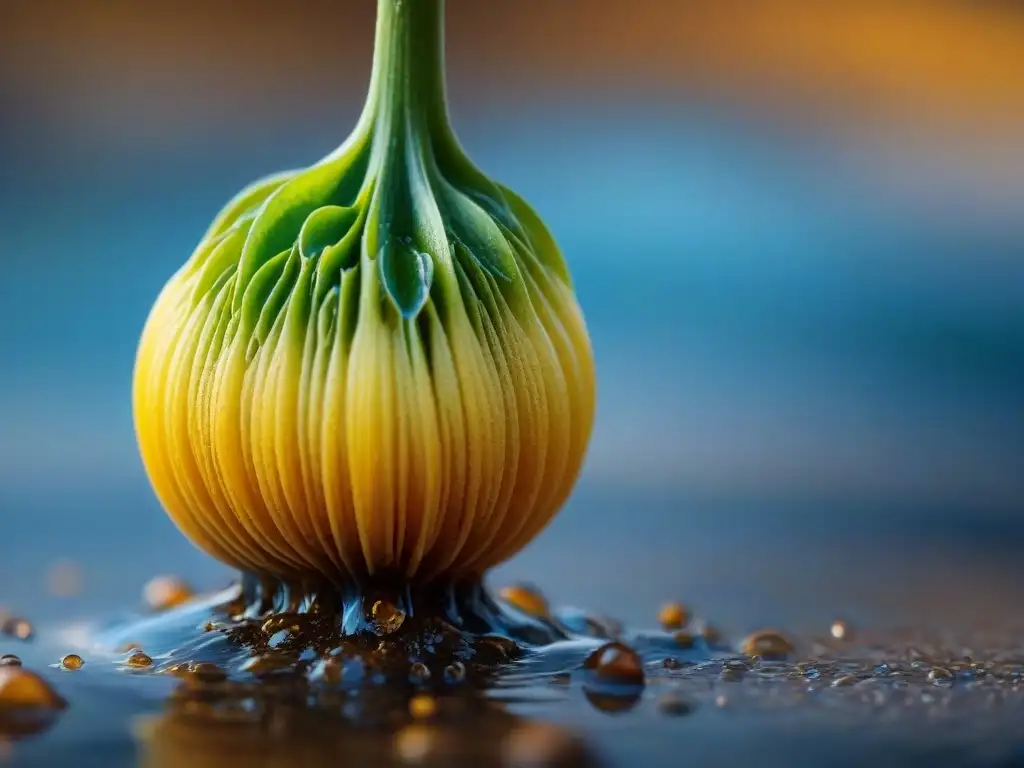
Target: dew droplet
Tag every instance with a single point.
(139, 660)
(9, 660)
(616, 663)
(422, 706)
(840, 630)
(455, 672)
(21, 688)
(385, 617)
(768, 644)
(673, 616)
(165, 592)
(527, 598)
(72, 662)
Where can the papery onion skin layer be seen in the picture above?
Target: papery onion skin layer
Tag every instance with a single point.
(375, 366)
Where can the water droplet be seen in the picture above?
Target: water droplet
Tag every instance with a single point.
(527, 598)
(616, 663)
(9, 660)
(845, 681)
(72, 662)
(840, 630)
(139, 660)
(674, 705)
(419, 673)
(165, 592)
(768, 644)
(673, 616)
(21, 688)
(455, 672)
(940, 676)
(684, 639)
(385, 617)
(422, 706)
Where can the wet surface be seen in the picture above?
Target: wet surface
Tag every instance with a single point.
(227, 678)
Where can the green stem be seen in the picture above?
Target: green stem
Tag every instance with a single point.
(407, 88)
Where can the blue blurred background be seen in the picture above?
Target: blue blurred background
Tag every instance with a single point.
(796, 229)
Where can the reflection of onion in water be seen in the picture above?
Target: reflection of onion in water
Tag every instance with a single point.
(260, 724)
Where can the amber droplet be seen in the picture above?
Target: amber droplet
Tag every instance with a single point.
(422, 706)
(9, 660)
(527, 598)
(72, 662)
(768, 644)
(386, 618)
(139, 660)
(673, 616)
(21, 688)
(165, 592)
(616, 663)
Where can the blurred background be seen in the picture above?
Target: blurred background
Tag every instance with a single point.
(796, 229)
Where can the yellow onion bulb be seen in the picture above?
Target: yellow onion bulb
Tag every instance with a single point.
(374, 366)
